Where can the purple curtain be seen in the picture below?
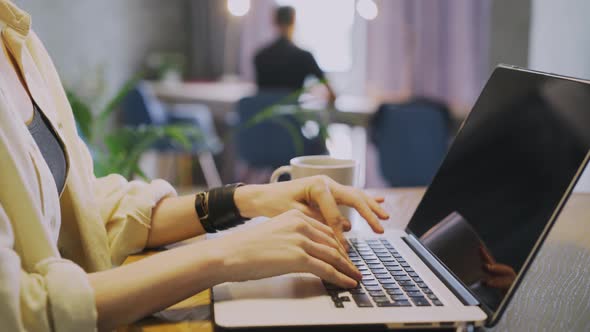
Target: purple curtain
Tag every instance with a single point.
(429, 48)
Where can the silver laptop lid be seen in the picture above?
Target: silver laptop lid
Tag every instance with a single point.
(504, 180)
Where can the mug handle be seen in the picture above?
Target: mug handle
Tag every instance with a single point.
(278, 172)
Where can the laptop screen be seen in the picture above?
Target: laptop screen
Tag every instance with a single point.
(504, 177)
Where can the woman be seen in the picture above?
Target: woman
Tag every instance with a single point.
(60, 249)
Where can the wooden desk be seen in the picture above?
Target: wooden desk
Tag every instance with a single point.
(555, 295)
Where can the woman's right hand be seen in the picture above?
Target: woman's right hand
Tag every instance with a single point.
(289, 243)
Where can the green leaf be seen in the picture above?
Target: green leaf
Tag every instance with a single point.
(82, 114)
(114, 103)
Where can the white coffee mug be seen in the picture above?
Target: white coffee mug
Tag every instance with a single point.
(343, 171)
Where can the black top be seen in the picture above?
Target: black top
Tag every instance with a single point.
(283, 65)
(50, 147)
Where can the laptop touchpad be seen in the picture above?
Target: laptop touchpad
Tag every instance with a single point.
(295, 285)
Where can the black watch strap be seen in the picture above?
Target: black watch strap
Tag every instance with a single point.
(217, 210)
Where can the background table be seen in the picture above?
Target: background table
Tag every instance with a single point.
(554, 295)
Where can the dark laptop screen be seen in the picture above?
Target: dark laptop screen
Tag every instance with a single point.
(503, 178)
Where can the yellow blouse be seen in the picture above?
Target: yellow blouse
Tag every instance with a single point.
(49, 242)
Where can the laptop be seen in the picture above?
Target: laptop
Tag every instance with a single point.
(478, 227)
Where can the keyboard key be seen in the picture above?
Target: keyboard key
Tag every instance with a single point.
(411, 288)
(413, 274)
(422, 285)
(373, 288)
(437, 303)
(405, 283)
(393, 265)
(416, 279)
(372, 261)
(375, 266)
(382, 275)
(362, 300)
(432, 297)
(363, 268)
(345, 299)
(383, 255)
(386, 304)
(415, 294)
(387, 259)
(356, 291)
(426, 290)
(403, 304)
(390, 286)
(408, 269)
(383, 298)
(397, 273)
(339, 304)
(332, 287)
(404, 278)
(387, 281)
(370, 283)
(381, 251)
(394, 291)
(377, 271)
(366, 273)
(395, 268)
(421, 301)
(404, 264)
(367, 278)
(398, 297)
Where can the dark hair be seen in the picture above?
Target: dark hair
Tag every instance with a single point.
(285, 16)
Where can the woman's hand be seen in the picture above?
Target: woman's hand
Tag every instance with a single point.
(289, 243)
(317, 197)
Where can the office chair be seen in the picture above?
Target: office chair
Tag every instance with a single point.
(411, 139)
(141, 107)
(270, 143)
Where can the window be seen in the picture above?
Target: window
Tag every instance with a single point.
(325, 28)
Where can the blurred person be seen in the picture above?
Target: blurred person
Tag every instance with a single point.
(283, 65)
(64, 233)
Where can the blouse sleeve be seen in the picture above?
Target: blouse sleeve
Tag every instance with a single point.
(126, 209)
(55, 296)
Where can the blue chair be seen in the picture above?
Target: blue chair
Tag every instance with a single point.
(141, 107)
(270, 143)
(412, 140)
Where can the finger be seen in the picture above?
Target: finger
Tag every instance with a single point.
(486, 256)
(350, 197)
(320, 194)
(315, 214)
(500, 283)
(375, 207)
(379, 199)
(328, 273)
(318, 236)
(499, 269)
(332, 257)
(329, 232)
(310, 212)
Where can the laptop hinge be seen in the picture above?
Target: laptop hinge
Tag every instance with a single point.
(447, 278)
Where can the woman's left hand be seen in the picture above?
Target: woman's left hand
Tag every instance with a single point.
(317, 197)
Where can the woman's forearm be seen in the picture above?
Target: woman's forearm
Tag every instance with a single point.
(127, 293)
(174, 219)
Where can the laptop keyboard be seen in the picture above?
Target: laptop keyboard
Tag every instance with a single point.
(388, 280)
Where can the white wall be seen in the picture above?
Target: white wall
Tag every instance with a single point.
(560, 43)
(84, 35)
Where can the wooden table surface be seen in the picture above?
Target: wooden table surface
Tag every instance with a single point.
(554, 295)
